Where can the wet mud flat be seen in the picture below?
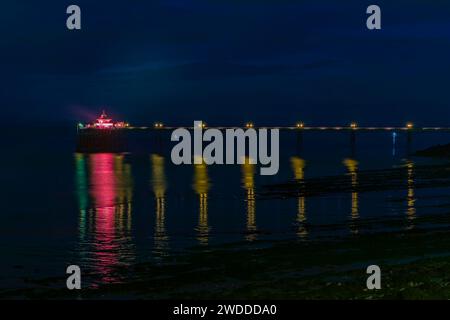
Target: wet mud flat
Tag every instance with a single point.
(425, 176)
(437, 151)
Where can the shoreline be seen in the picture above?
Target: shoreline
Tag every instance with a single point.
(413, 266)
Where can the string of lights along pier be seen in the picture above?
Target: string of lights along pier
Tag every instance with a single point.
(106, 123)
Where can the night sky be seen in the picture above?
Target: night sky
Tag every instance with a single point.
(227, 62)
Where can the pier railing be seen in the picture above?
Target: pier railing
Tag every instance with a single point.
(305, 128)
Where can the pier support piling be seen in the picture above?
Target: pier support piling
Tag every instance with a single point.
(353, 143)
(299, 142)
(101, 140)
(409, 143)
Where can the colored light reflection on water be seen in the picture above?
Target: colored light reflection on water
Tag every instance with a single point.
(105, 234)
(159, 185)
(142, 207)
(201, 187)
(108, 212)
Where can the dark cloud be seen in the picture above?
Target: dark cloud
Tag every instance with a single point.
(226, 60)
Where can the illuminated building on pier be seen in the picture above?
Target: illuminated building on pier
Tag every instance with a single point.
(104, 122)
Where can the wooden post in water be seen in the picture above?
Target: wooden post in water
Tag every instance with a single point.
(158, 145)
(101, 140)
(353, 143)
(408, 143)
(299, 141)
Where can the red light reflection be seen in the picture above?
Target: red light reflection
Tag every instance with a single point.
(103, 191)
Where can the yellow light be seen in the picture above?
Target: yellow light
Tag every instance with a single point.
(300, 125)
(409, 125)
(249, 125)
(353, 125)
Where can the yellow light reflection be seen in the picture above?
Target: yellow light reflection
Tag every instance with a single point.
(124, 187)
(298, 166)
(248, 183)
(410, 208)
(159, 186)
(352, 168)
(201, 187)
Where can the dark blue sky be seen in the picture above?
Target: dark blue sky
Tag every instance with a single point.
(271, 61)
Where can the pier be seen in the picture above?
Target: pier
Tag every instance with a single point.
(105, 135)
(309, 128)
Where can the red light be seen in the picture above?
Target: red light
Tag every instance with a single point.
(103, 122)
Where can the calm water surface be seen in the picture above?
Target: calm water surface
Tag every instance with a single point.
(106, 210)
